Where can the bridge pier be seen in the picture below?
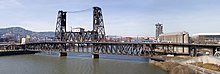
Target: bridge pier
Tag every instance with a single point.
(95, 55)
(63, 54)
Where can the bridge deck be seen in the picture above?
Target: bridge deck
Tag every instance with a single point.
(124, 43)
(118, 48)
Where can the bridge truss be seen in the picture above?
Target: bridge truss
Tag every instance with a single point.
(134, 49)
(115, 48)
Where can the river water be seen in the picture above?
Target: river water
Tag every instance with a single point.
(76, 64)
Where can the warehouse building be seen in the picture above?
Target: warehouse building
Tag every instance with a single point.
(176, 37)
(206, 38)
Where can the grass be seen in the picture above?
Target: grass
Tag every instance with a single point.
(208, 66)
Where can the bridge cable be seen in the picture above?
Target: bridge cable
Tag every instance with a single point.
(79, 11)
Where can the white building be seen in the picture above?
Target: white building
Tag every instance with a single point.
(23, 40)
(26, 40)
(78, 29)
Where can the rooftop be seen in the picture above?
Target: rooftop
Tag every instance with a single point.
(174, 33)
(78, 28)
(205, 34)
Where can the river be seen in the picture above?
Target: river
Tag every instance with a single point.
(76, 64)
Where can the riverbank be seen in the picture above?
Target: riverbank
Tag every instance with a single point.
(173, 68)
(185, 65)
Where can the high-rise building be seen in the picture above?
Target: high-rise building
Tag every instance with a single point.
(159, 29)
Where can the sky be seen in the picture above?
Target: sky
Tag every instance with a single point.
(121, 17)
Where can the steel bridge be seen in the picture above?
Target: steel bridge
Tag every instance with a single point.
(94, 42)
(135, 49)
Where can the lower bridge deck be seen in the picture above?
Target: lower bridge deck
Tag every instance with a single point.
(116, 48)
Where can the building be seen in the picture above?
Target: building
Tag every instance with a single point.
(206, 38)
(26, 40)
(159, 29)
(175, 37)
(78, 29)
(23, 40)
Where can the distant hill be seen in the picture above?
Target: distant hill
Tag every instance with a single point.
(18, 31)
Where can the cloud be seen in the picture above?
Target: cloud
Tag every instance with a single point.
(6, 4)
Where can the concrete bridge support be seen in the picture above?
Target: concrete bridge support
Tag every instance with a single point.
(95, 56)
(63, 54)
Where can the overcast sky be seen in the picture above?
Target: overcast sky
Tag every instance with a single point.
(121, 17)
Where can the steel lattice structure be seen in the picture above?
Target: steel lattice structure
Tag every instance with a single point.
(98, 23)
(96, 35)
(60, 32)
(134, 49)
(86, 36)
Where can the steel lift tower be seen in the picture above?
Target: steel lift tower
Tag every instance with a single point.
(60, 32)
(96, 35)
(98, 23)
